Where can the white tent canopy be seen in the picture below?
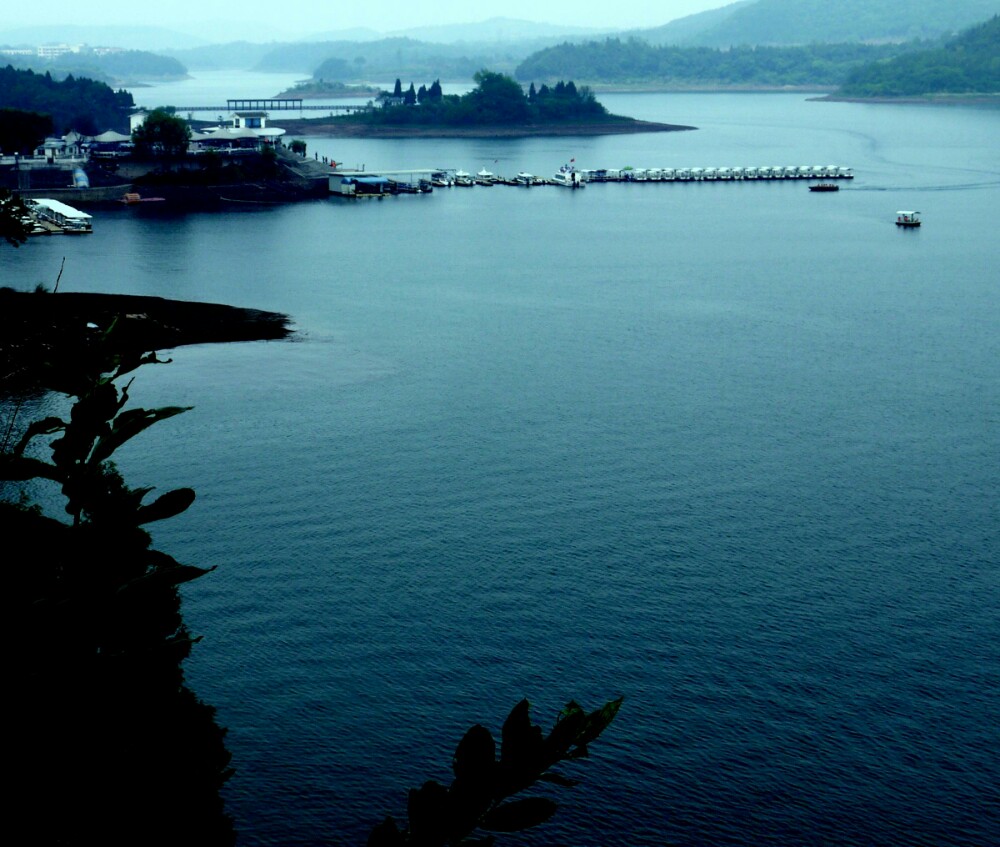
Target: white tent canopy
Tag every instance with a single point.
(110, 137)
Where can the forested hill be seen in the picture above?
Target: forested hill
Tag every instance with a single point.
(388, 58)
(634, 62)
(968, 64)
(74, 103)
(113, 68)
(808, 21)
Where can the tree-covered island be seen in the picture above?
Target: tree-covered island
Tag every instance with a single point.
(316, 89)
(497, 106)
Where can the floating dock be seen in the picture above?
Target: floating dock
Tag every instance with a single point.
(381, 182)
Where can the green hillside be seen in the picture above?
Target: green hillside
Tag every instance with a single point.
(968, 64)
(73, 103)
(634, 62)
(808, 21)
(388, 58)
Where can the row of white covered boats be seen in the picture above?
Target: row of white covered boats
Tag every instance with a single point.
(574, 178)
(367, 183)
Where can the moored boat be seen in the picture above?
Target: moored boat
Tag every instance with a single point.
(568, 180)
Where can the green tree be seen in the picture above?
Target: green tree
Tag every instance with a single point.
(498, 98)
(162, 136)
(410, 98)
(12, 211)
(21, 130)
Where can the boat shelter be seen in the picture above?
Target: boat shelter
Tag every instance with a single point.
(356, 186)
(59, 213)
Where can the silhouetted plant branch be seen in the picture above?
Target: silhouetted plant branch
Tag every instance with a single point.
(109, 734)
(478, 801)
(105, 713)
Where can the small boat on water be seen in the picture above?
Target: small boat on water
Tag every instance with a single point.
(568, 179)
(825, 186)
(909, 220)
(463, 179)
(524, 178)
(485, 177)
(131, 198)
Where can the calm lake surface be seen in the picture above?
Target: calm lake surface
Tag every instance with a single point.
(727, 450)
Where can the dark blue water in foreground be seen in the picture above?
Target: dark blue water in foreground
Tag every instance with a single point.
(728, 450)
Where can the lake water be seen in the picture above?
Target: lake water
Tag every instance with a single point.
(730, 451)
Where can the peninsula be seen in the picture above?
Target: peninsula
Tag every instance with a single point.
(40, 329)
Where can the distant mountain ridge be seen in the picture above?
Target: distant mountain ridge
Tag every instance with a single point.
(494, 30)
(790, 22)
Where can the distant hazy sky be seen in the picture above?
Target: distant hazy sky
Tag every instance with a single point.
(302, 16)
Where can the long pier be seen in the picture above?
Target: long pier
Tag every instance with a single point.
(252, 105)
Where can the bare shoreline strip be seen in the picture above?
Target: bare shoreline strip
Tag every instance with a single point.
(344, 129)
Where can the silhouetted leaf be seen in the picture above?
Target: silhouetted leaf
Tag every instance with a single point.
(46, 426)
(475, 756)
(427, 811)
(14, 468)
(472, 792)
(386, 834)
(571, 723)
(129, 424)
(599, 720)
(169, 577)
(558, 779)
(521, 741)
(170, 504)
(520, 814)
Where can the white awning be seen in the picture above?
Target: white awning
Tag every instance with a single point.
(110, 137)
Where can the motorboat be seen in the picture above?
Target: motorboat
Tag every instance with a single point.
(824, 186)
(485, 177)
(908, 220)
(524, 178)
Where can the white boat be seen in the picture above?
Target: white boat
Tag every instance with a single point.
(485, 177)
(568, 179)
(910, 220)
(463, 179)
(524, 178)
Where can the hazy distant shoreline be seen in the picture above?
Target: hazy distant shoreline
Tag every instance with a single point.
(921, 100)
